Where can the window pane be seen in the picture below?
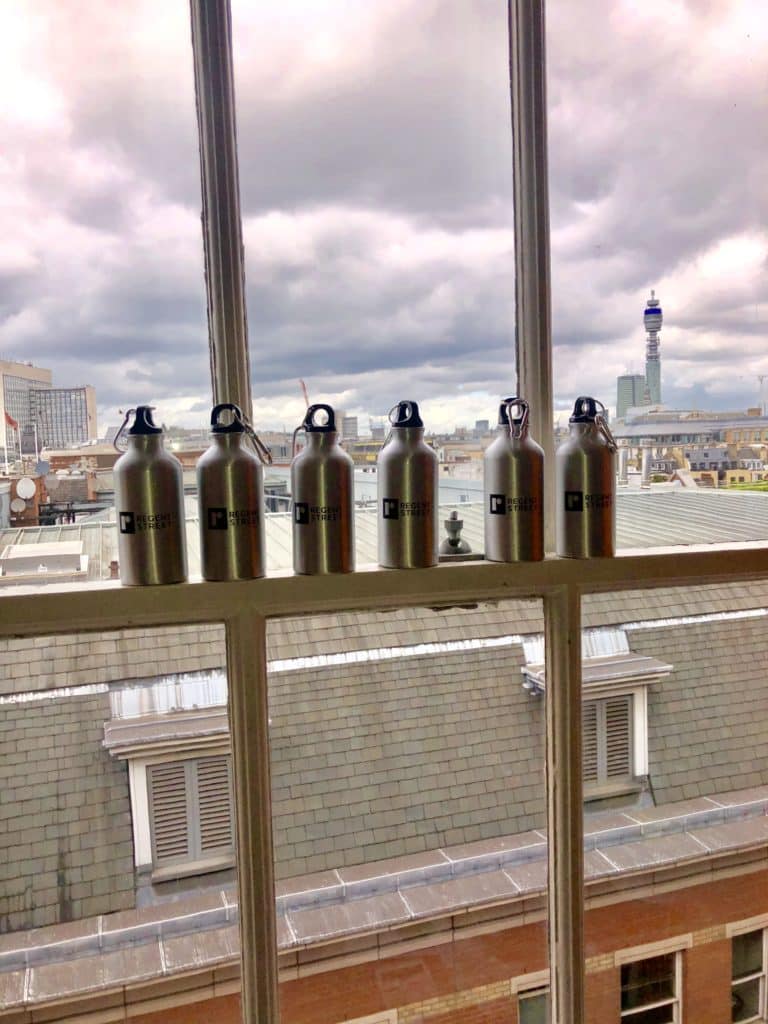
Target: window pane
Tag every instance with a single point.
(747, 953)
(746, 1000)
(647, 981)
(657, 1015)
(699, 788)
(534, 1009)
(408, 800)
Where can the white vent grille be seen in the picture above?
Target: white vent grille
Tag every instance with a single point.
(617, 738)
(191, 810)
(168, 797)
(215, 806)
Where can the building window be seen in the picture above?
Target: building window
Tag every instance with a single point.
(190, 815)
(533, 1007)
(650, 990)
(748, 989)
(607, 741)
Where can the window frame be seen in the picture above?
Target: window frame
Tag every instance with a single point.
(675, 1001)
(734, 930)
(245, 607)
(142, 810)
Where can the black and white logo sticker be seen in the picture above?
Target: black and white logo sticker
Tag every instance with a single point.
(217, 519)
(301, 513)
(390, 508)
(574, 501)
(498, 504)
(127, 522)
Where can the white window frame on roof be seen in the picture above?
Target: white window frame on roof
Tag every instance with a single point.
(141, 815)
(245, 607)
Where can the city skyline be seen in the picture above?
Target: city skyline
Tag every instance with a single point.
(376, 182)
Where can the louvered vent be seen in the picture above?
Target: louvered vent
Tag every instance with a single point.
(215, 807)
(168, 796)
(589, 740)
(618, 763)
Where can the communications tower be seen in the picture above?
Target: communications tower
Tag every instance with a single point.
(652, 320)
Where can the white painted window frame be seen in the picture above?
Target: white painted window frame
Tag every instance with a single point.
(753, 924)
(138, 783)
(245, 607)
(675, 945)
(638, 714)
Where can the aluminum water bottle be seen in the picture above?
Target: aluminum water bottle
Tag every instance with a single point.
(149, 504)
(513, 471)
(585, 471)
(322, 488)
(407, 475)
(230, 491)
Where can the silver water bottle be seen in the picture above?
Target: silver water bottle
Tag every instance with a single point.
(322, 488)
(149, 504)
(585, 471)
(513, 471)
(230, 491)
(407, 474)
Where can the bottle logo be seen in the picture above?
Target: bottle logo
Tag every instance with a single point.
(304, 513)
(217, 519)
(127, 522)
(498, 504)
(141, 522)
(578, 501)
(390, 508)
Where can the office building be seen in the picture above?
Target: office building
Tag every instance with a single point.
(16, 381)
(630, 389)
(63, 416)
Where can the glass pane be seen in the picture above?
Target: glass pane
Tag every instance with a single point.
(747, 953)
(408, 804)
(534, 1009)
(117, 824)
(656, 1015)
(746, 1000)
(647, 981)
(696, 797)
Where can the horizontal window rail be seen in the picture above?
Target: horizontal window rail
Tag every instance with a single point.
(55, 608)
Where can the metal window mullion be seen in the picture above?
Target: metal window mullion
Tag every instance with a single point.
(533, 330)
(248, 724)
(220, 186)
(565, 851)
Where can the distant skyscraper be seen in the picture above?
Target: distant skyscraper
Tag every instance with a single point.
(63, 416)
(349, 430)
(652, 321)
(630, 389)
(16, 382)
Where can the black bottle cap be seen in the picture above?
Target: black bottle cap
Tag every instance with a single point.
(586, 410)
(406, 414)
(504, 415)
(312, 426)
(235, 427)
(142, 423)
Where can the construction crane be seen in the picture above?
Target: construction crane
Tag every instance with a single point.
(304, 392)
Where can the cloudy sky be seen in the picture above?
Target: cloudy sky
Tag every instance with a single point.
(375, 163)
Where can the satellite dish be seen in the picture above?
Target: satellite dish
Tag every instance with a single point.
(18, 505)
(51, 483)
(25, 488)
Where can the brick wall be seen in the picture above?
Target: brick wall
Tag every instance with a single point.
(67, 849)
